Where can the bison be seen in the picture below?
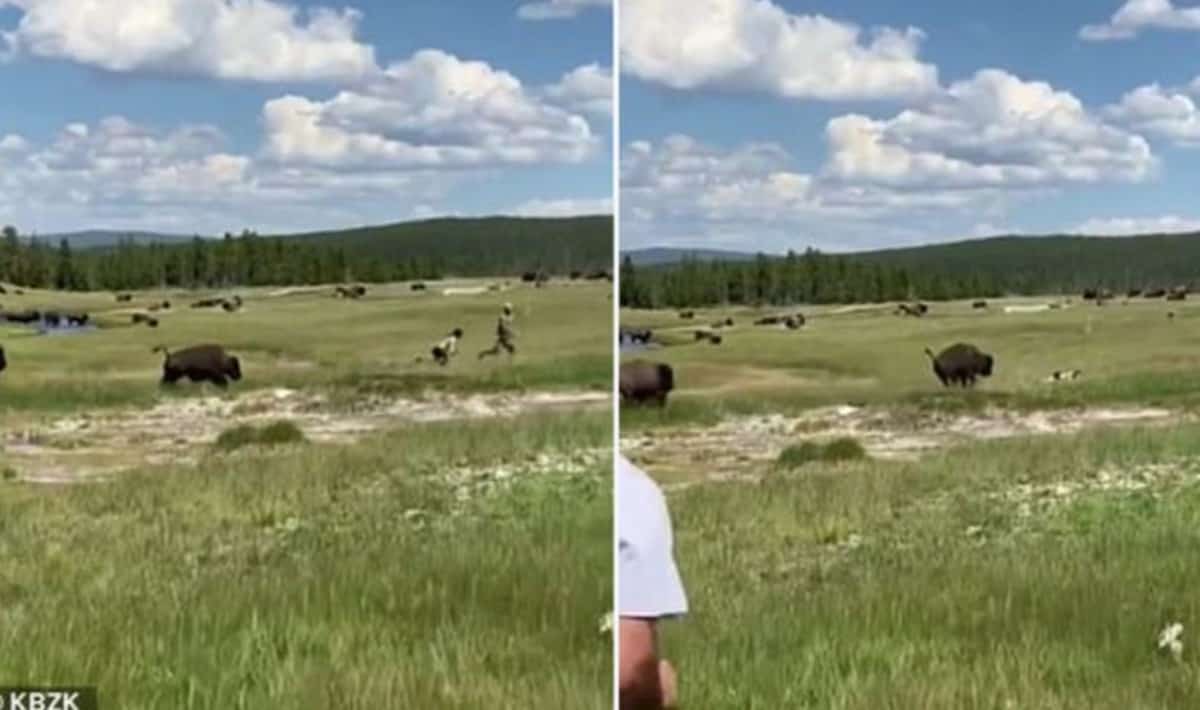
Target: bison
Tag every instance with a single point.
(418, 286)
(200, 363)
(979, 304)
(794, 321)
(1155, 293)
(124, 297)
(687, 315)
(3, 361)
(961, 364)
(642, 381)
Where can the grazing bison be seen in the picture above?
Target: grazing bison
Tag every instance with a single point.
(794, 321)
(25, 317)
(52, 319)
(915, 310)
(961, 364)
(769, 320)
(208, 303)
(1090, 294)
(137, 318)
(124, 297)
(3, 361)
(200, 363)
(418, 286)
(1177, 294)
(642, 381)
(979, 304)
(1133, 293)
(714, 338)
(576, 275)
(687, 315)
(77, 319)
(1155, 293)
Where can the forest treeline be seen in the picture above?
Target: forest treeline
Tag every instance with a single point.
(986, 268)
(431, 249)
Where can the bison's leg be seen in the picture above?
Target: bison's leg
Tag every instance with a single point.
(170, 376)
(219, 380)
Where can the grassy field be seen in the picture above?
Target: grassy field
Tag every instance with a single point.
(249, 558)
(1027, 557)
(306, 338)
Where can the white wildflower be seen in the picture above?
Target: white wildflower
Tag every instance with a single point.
(606, 623)
(1170, 639)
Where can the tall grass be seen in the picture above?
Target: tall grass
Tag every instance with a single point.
(321, 576)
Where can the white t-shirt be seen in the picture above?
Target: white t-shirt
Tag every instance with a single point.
(648, 581)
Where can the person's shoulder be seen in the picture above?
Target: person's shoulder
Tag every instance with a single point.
(637, 492)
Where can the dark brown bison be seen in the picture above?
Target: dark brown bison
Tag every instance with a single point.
(794, 321)
(3, 360)
(642, 381)
(124, 297)
(25, 317)
(687, 315)
(1155, 293)
(1133, 293)
(208, 303)
(418, 286)
(200, 363)
(769, 320)
(979, 304)
(961, 364)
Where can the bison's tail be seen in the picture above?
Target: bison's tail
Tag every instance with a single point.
(930, 354)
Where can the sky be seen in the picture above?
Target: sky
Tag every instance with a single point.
(767, 125)
(206, 116)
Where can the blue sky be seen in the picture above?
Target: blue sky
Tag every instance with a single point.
(873, 123)
(279, 115)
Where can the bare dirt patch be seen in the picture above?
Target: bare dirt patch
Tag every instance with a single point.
(90, 446)
(742, 448)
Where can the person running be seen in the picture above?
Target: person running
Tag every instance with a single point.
(505, 335)
(649, 590)
(447, 347)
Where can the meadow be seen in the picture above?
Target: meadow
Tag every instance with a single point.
(853, 535)
(345, 527)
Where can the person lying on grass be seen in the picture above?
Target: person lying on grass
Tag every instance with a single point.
(649, 590)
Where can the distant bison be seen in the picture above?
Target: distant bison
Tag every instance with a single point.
(961, 364)
(576, 275)
(979, 304)
(25, 317)
(600, 274)
(124, 297)
(418, 286)
(642, 381)
(200, 363)
(915, 310)
(794, 321)
(1155, 293)
(208, 303)
(77, 319)
(1133, 293)
(3, 360)
(769, 320)
(138, 318)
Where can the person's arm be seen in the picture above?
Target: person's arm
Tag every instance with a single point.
(646, 682)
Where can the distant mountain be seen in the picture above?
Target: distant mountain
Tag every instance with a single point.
(657, 256)
(94, 238)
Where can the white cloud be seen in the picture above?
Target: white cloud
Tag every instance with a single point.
(1137, 15)
(557, 9)
(116, 173)
(258, 40)
(563, 208)
(1124, 226)
(587, 89)
(992, 130)
(1159, 112)
(432, 110)
(756, 46)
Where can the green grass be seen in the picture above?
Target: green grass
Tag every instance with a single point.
(462, 564)
(905, 585)
(1010, 573)
(797, 455)
(309, 339)
(322, 576)
(1128, 354)
(273, 434)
